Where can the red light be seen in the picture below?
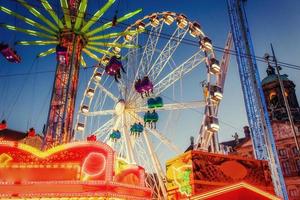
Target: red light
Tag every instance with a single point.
(94, 164)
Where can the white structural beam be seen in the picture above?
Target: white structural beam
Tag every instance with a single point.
(149, 49)
(156, 164)
(164, 140)
(105, 128)
(161, 137)
(111, 95)
(99, 113)
(179, 72)
(174, 106)
(128, 144)
(167, 53)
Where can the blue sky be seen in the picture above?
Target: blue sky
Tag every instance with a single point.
(24, 100)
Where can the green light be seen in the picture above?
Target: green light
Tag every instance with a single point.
(82, 62)
(28, 21)
(80, 15)
(90, 54)
(97, 16)
(113, 35)
(99, 50)
(46, 53)
(38, 14)
(113, 44)
(27, 31)
(48, 7)
(65, 8)
(109, 24)
(38, 42)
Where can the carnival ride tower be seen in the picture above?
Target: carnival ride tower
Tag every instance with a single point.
(261, 130)
(72, 35)
(61, 111)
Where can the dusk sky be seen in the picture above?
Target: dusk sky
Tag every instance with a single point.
(24, 99)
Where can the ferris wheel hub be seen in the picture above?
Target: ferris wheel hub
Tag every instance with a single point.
(120, 107)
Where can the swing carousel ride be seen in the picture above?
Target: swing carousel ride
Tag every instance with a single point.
(125, 103)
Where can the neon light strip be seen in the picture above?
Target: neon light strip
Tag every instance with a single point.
(37, 42)
(46, 53)
(90, 54)
(27, 31)
(49, 9)
(235, 187)
(80, 14)
(65, 7)
(109, 24)
(82, 62)
(113, 35)
(99, 50)
(112, 44)
(37, 14)
(97, 16)
(26, 20)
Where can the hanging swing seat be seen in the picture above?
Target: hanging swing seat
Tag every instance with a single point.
(9, 54)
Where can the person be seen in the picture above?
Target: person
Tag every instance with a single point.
(154, 119)
(147, 118)
(138, 86)
(117, 75)
(115, 19)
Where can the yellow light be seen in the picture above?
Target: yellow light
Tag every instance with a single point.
(234, 187)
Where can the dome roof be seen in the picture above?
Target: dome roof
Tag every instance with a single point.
(273, 77)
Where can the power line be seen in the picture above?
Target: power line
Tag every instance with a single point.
(184, 40)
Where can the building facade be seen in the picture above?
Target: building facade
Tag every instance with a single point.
(287, 150)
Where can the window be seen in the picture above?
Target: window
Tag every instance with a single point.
(295, 151)
(286, 168)
(293, 192)
(282, 152)
(298, 164)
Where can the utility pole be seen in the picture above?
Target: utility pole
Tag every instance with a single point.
(282, 89)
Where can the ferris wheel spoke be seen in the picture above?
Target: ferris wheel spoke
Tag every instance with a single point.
(164, 140)
(167, 53)
(107, 92)
(99, 113)
(106, 127)
(128, 144)
(175, 106)
(179, 72)
(156, 164)
(161, 137)
(149, 49)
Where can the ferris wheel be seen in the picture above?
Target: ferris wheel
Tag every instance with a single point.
(128, 94)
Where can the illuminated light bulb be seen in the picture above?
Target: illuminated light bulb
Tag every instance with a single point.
(84, 109)
(168, 18)
(97, 76)
(80, 127)
(90, 92)
(214, 67)
(128, 38)
(154, 20)
(182, 21)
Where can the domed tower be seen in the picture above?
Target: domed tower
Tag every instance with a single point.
(274, 98)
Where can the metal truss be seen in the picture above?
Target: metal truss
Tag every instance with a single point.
(149, 49)
(107, 92)
(179, 72)
(167, 53)
(261, 130)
